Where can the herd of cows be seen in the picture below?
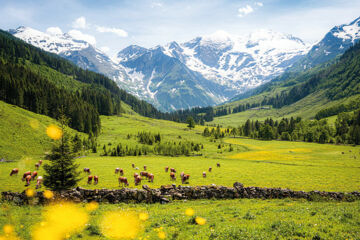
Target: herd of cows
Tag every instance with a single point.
(123, 181)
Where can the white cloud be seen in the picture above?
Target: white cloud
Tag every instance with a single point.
(117, 31)
(156, 5)
(54, 31)
(259, 4)
(80, 23)
(105, 49)
(245, 11)
(82, 36)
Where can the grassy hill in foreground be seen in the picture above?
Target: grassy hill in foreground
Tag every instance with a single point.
(23, 133)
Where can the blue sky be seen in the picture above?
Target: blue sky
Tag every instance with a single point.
(113, 25)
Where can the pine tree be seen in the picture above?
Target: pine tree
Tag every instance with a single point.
(190, 121)
(61, 173)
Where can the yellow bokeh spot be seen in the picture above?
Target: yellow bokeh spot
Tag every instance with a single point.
(121, 225)
(200, 220)
(8, 229)
(34, 123)
(30, 192)
(143, 216)
(189, 212)
(54, 132)
(162, 235)
(61, 220)
(92, 206)
(48, 194)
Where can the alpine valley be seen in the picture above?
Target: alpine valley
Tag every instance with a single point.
(204, 71)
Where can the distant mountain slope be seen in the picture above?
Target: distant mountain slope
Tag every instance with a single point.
(326, 83)
(336, 42)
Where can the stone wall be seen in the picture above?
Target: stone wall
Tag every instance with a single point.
(165, 194)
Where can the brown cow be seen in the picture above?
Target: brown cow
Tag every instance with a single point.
(33, 175)
(185, 178)
(166, 169)
(123, 181)
(144, 174)
(96, 180)
(135, 175)
(204, 174)
(87, 170)
(210, 168)
(172, 170)
(117, 170)
(37, 165)
(28, 179)
(15, 171)
(121, 172)
(151, 177)
(172, 176)
(137, 180)
(90, 178)
(40, 162)
(145, 167)
(218, 164)
(28, 173)
(39, 182)
(133, 165)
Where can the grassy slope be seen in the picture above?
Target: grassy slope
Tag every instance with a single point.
(296, 165)
(226, 220)
(23, 133)
(305, 108)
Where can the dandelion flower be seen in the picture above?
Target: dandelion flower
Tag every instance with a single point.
(189, 212)
(30, 192)
(54, 132)
(48, 194)
(121, 225)
(200, 220)
(162, 235)
(8, 229)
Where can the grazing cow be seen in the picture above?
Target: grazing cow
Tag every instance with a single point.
(172, 176)
(15, 171)
(123, 181)
(121, 172)
(137, 180)
(172, 170)
(144, 174)
(87, 170)
(37, 165)
(133, 165)
(28, 179)
(135, 175)
(96, 180)
(33, 175)
(185, 178)
(117, 170)
(28, 173)
(151, 177)
(204, 174)
(39, 181)
(145, 167)
(40, 162)
(90, 178)
(210, 168)
(218, 164)
(166, 169)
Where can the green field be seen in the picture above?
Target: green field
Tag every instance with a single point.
(294, 165)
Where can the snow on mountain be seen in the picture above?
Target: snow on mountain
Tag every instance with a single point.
(239, 62)
(350, 32)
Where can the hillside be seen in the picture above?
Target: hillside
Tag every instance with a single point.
(302, 94)
(23, 133)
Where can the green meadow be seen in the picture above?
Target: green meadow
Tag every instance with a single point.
(294, 165)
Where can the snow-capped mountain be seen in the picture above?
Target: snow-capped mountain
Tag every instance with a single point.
(239, 62)
(79, 52)
(336, 41)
